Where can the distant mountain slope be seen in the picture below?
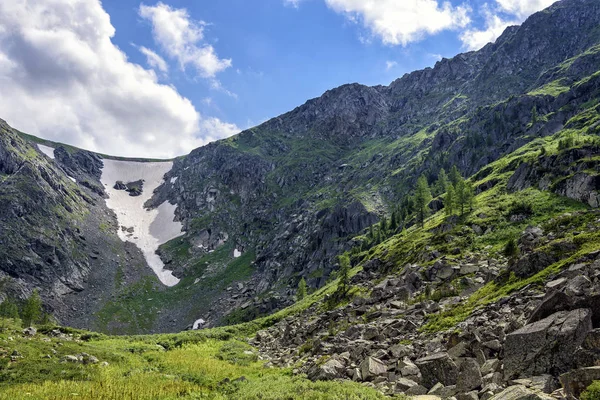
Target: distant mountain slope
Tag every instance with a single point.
(282, 200)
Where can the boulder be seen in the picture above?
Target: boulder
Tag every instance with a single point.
(469, 377)
(371, 368)
(520, 392)
(437, 367)
(332, 369)
(403, 384)
(576, 381)
(31, 331)
(546, 346)
(552, 303)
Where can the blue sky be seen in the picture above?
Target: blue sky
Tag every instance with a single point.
(161, 78)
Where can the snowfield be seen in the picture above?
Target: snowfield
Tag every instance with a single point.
(151, 228)
(49, 151)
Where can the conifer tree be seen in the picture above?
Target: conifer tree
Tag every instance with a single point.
(450, 200)
(455, 175)
(32, 310)
(422, 198)
(301, 294)
(441, 186)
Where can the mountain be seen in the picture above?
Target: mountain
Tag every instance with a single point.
(477, 284)
(239, 222)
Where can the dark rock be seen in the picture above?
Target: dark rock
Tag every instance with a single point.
(546, 346)
(436, 368)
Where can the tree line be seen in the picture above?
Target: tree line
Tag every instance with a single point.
(30, 313)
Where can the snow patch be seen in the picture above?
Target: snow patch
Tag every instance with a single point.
(151, 227)
(71, 178)
(237, 253)
(49, 151)
(174, 179)
(198, 323)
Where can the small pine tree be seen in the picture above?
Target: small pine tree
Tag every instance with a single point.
(450, 200)
(422, 198)
(32, 310)
(441, 186)
(344, 275)
(455, 175)
(393, 222)
(301, 293)
(511, 250)
(383, 226)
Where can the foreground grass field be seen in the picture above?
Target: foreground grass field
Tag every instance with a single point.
(194, 365)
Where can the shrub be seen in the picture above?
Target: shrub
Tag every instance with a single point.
(592, 392)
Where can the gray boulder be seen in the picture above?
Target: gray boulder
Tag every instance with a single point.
(546, 346)
(437, 367)
(520, 392)
(371, 368)
(469, 377)
(330, 370)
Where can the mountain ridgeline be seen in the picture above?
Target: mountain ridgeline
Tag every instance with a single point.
(279, 203)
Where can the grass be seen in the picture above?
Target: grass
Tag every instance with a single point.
(206, 365)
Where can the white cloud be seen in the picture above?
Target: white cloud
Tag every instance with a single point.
(503, 15)
(475, 39)
(390, 64)
(63, 79)
(398, 22)
(154, 60)
(182, 39)
(524, 8)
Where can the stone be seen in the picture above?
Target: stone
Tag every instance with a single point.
(520, 392)
(400, 351)
(330, 370)
(372, 367)
(547, 345)
(473, 395)
(403, 384)
(370, 333)
(490, 366)
(417, 391)
(438, 367)
(31, 331)
(552, 303)
(408, 368)
(576, 381)
(70, 358)
(469, 377)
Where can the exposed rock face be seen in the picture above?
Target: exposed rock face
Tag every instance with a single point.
(546, 345)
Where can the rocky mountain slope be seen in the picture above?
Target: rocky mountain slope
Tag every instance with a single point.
(282, 201)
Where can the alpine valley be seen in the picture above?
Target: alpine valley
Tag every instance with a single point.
(438, 236)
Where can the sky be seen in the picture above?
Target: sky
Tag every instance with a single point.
(158, 79)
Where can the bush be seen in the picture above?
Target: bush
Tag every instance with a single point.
(592, 392)
(511, 249)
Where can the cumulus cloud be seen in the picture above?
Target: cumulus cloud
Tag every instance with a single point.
(504, 14)
(62, 78)
(154, 60)
(182, 39)
(524, 8)
(402, 22)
